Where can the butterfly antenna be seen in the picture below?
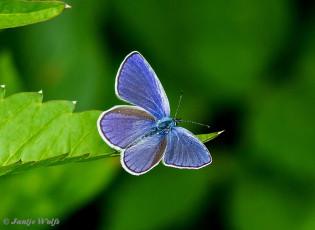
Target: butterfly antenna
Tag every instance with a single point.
(180, 99)
(208, 126)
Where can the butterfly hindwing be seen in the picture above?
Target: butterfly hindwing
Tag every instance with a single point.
(122, 125)
(185, 150)
(143, 156)
(137, 83)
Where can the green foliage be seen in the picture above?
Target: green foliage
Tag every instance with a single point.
(14, 13)
(208, 137)
(34, 134)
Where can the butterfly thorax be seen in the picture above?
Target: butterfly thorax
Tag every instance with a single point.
(165, 124)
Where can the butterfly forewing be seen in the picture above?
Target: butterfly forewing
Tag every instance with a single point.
(122, 125)
(137, 83)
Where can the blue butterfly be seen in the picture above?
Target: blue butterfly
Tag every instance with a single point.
(145, 134)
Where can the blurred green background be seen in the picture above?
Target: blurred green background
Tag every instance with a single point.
(247, 67)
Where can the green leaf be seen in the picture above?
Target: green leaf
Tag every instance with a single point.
(208, 137)
(35, 134)
(20, 13)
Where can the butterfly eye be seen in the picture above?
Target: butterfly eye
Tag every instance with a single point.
(176, 121)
